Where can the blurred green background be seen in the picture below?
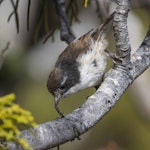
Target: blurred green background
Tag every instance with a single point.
(27, 65)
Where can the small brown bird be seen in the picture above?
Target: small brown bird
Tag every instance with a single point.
(81, 65)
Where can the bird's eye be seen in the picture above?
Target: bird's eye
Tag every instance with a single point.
(62, 87)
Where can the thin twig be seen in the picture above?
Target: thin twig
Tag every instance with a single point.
(15, 7)
(50, 34)
(72, 10)
(3, 51)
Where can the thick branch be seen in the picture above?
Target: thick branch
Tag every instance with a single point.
(121, 35)
(66, 33)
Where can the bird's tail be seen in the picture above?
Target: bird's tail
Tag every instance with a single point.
(97, 33)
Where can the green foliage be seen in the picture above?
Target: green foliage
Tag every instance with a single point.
(11, 117)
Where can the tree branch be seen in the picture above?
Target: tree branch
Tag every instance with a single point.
(66, 33)
(123, 48)
(116, 81)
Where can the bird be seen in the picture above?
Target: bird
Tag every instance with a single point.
(80, 66)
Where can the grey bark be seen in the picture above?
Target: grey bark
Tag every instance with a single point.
(125, 70)
(66, 33)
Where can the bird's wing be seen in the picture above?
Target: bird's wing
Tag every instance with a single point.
(76, 48)
(82, 44)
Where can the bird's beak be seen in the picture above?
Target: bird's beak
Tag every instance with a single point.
(57, 100)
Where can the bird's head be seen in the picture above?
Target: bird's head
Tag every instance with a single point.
(62, 79)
